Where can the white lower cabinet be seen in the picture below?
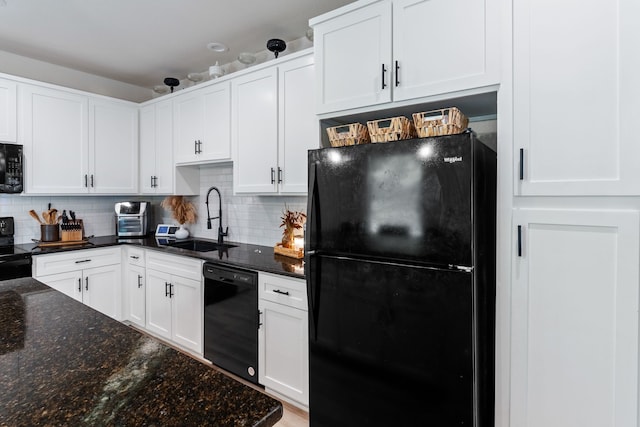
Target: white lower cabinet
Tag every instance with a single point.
(90, 276)
(174, 299)
(283, 351)
(134, 307)
(574, 330)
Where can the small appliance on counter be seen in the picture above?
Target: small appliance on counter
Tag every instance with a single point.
(133, 219)
(11, 170)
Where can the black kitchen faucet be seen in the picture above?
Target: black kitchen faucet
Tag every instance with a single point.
(221, 234)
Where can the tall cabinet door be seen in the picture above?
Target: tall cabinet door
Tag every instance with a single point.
(113, 147)
(298, 122)
(574, 114)
(8, 106)
(54, 126)
(255, 131)
(353, 55)
(574, 336)
(430, 57)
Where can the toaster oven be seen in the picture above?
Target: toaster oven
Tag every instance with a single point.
(133, 219)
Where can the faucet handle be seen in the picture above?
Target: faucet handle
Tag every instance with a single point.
(226, 232)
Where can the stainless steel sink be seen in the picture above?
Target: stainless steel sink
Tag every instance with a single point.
(199, 245)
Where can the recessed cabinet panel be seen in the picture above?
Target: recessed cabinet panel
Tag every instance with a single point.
(576, 95)
(8, 107)
(574, 332)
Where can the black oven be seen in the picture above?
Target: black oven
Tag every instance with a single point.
(231, 319)
(14, 262)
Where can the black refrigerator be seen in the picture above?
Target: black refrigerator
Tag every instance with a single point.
(400, 268)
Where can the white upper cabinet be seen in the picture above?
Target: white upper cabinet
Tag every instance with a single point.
(298, 123)
(353, 58)
(574, 318)
(376, 51)
(273, 126)
(54, 129)
(156, 148)
(8, 114)
(202, 125)
(113, 147)
(576, 91)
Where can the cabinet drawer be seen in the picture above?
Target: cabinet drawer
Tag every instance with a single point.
(283, 290)
(182, 266)
(76, 260)
(135, 256)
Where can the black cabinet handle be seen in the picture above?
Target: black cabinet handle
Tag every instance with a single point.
(86, 177)
(384, 71)
(199, 147)
(521, 164)
(273, 176)
(195, 147)
(139, 281)
(279, 174)
(166, 289)
(519, 240)
(170, 290)
(397, 78)
(91, 180)
(278, 291)
(86, 283)
(83, 261)
(134, 257)
(259, 319)
(79, 285)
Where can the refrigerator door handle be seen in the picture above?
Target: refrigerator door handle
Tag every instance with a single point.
(312, 296)
(313, 217)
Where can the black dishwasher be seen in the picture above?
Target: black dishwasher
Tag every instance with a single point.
(231, 319)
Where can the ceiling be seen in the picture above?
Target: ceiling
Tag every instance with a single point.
(141, 42)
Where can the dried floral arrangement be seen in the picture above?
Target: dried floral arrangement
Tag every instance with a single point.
(181, 208)
(291, 221)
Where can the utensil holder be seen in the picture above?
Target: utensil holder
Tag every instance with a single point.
(49, 233)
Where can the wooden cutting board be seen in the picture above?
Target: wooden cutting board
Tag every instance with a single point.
(62, 243)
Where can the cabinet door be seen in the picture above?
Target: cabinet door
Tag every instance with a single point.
(255, 131)
(158, 303)
(353, 59)
(187, 300)
(113, 147)
(283, 350)
(442, 46)
(135, 283)
(69, 283)
(574, 326)
(8, 107)
(298, 123)
(576, 98)
(156, 148)
(188, 126)
(54, 125)
(101, 290)
(216, 141)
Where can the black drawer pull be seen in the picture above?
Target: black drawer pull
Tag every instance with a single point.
(278, 291)
(82, 261)
(134, 257)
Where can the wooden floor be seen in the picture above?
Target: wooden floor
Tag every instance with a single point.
(293, 417)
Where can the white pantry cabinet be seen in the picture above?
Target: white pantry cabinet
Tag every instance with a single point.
(202, 125)
(113, 147)
(574, 328)
(283, 352)
(156, 148)
(273, 126)
(91, 276)
(8, 111)
(174, 299)
(373, 52)
(76, 144)
(575, 99)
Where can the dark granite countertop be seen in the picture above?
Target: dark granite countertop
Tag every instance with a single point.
(63, 363)
(254, 257)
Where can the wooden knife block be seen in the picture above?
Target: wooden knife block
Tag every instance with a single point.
(74, 235)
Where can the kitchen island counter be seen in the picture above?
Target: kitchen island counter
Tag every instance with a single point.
(63, 363)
